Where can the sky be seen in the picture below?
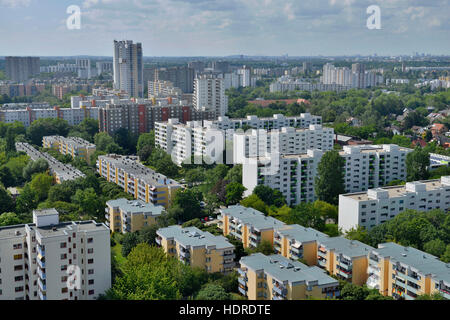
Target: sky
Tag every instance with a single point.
(225, 27)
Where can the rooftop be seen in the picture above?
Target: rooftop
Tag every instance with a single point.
(194, 237)
(130, 165)
(252, 217)
(349, 248)
(136, 206)
(421, 262)
(398, 191)
(63, 171)
(301, 234)
(285, 270)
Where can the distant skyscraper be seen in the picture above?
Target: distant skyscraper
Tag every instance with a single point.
(22, 68)
(181, 77)
(209, 94)
(128, 68)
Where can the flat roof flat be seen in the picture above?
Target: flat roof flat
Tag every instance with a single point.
(252, 217)
(284, 269)
(194, 237)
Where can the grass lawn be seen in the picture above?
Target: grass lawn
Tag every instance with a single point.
(117, 253)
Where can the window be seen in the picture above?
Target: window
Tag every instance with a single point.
(90, 261)
(18, 267)
(64, 268)
(91, 271)
(63, 245)
(91, 292)
(17, 246)
(64, 290)
(17, 256)
(63, 256)
(90, 240)
(91, 281)
(90, 250)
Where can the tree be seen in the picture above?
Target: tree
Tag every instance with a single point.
(27, 200)
(104, 142)
(329, 182)
(436, 247)
(89, 202)
(38, 166)
(46, 127)
(186, 205)
(10, 140)
(253, 201)
(145, 145)
(417, 163)
(41, 184)
(147, 275)
(213, 291)
(434, 296)
(6, 202)
(269, 196)
(6, 177)
(9, 219)
(446, 256)
(129, 241)
(234, 174)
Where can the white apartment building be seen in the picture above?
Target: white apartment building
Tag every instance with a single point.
(185, 141)
(376, 206)
(39, 261)
(27, 114)
(287, 140)
(366, 166)
(278, 121)
(128, 68)
(209, 94)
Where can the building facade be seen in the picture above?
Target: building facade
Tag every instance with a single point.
(376, 206)
(136, 179)
(123, 215)
(275, 277)
(366, 166)
(74, 146)
(128, 68)
(21, 68)
(40, 260)
(405, 272)
(248, 225)
(61, 172)
(197, 248)
(209, 94)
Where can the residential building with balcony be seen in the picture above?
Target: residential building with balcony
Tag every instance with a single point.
(287, 140)
(123, 215)
(197, 248)
(376, 206)
(297, 242)
(74, 146)
(248, 225)
(278, 121)
(405, 272)
(275, 277)
(136, 179)
(52, 260)
(366, 167)
(60, 171)
(344, 258)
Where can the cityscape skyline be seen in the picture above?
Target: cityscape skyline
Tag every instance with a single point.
(218, 28)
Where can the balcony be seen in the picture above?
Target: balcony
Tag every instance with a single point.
(158, 241)
(40, 250)
(42, 286)
(322, 254)
(445, 293)
(42, 296)
(41, 263)
(243, 281)
(242, 273)
(281, 290)
(41, 273)
(242, 291)
(107, 216)
(278, 298)
(322, 262)
(185, 254)
(255, 237)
